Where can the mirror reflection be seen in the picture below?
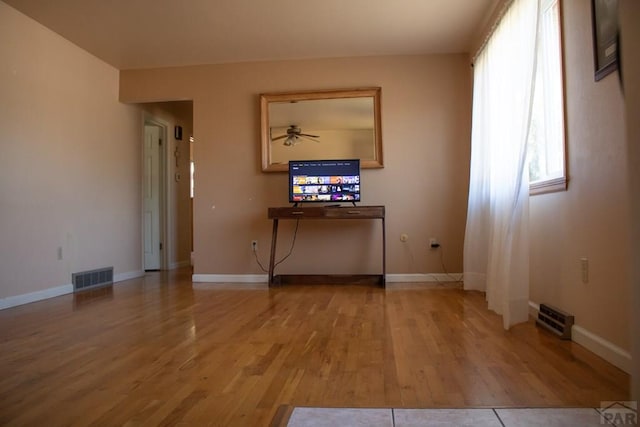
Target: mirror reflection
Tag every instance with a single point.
(340, 124)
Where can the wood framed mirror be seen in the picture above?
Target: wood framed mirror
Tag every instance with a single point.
(317, 125)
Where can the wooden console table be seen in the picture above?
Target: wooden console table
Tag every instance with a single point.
(318, 213)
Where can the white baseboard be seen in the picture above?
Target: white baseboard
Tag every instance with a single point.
(534, 309)
(595, 344)
(603, 348)
(127, 276)
(35, 296)
(57, 291)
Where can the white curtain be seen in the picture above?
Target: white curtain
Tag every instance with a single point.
(496, 248)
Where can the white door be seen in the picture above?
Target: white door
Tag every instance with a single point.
(152, 197)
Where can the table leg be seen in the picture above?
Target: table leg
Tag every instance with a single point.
(272, 257)
(384, 254)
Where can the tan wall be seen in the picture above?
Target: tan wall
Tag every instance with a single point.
(630, 34)
(178, 203)
(69, 162)
(591, 219)
(426, 126)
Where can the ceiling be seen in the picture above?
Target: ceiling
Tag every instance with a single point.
(162, 33)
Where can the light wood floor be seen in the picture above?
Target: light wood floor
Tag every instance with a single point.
(156, 351)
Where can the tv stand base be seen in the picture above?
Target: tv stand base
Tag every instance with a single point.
(328, 279)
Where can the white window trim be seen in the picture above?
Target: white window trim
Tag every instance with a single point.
(557, 184)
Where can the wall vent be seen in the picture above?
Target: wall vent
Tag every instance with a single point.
(555, 320)
(92, 279)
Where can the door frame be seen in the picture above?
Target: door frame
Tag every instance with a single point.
(151, 120)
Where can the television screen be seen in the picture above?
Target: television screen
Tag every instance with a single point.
(324, 181)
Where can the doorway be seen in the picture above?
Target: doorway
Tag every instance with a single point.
(167, 219)
(153, 194)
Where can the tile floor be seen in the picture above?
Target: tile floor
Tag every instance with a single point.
(547, 417)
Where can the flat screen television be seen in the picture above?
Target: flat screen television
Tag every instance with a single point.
(324, 181)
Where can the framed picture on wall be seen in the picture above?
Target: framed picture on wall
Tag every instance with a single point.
(605, 36)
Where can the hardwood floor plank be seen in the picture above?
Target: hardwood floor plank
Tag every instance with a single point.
(159, 351)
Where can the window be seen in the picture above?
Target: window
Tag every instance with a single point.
(546, 144)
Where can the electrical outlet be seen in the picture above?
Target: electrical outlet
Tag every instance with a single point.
(254, 245)
(584, 269)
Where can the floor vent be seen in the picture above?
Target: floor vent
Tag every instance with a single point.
(92, 279)
(555, 320)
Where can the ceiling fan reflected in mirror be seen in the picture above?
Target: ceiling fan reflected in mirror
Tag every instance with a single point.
(294, 135)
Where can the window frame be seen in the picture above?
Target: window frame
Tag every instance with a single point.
(560, 183)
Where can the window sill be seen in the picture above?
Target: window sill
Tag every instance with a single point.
(549, 186)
